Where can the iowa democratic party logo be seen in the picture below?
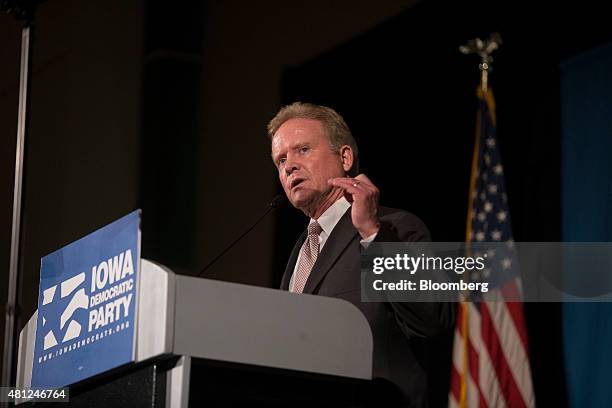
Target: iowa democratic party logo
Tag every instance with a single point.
(87, 305)
(69, 327)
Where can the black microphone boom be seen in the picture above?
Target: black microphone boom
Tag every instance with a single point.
(276, 202)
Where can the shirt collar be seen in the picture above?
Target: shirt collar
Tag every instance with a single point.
(332, 215)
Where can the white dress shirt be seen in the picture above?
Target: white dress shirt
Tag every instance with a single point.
(328, 221)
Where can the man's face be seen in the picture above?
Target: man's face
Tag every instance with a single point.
(305, 161)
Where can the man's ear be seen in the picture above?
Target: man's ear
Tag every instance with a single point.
(346, 156)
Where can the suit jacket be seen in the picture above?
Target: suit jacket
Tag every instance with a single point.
(336, 273)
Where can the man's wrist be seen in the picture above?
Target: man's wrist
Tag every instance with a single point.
(369, 231)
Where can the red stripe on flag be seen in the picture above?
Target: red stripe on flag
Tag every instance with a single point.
(492, 342)
(455, 383)
(515, 308)
(473, 361)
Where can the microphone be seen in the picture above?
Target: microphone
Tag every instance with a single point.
(276, 202)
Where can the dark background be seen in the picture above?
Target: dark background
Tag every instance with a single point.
(409, 96)
(143, 105)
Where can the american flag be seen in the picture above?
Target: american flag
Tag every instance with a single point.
(490, 355)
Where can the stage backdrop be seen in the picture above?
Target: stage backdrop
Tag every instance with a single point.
(586, 95)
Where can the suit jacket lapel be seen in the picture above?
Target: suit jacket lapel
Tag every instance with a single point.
(343, 233)
(291, 263)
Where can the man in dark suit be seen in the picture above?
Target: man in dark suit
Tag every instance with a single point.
(317, 161)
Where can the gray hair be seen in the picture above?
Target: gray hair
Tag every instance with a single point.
(334, 126)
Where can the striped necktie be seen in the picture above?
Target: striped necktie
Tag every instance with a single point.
(308, 257)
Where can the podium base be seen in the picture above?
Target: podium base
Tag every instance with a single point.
(215, 384)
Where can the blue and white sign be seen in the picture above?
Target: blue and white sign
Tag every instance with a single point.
(87, 305)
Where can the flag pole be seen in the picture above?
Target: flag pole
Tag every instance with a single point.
(483, 49)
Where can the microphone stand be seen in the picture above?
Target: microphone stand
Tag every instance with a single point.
(23, 10)
(276, 202)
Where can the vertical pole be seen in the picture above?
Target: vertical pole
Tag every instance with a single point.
(12, 308)
(484, 76)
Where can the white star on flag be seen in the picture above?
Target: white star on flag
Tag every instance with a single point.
(487, 159)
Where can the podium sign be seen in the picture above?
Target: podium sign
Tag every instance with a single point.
(87, 305)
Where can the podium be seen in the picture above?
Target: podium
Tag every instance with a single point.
(202, 342)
